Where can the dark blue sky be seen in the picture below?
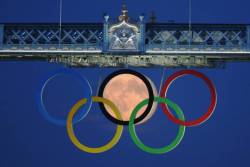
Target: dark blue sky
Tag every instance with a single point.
(212, 11)
(27, 139)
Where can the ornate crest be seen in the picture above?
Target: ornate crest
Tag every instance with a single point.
(123, 36)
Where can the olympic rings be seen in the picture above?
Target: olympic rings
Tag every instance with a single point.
(167, 148)
(180, 120)
(150, 93)
(212, 90)
(87, 93)
(77, 143)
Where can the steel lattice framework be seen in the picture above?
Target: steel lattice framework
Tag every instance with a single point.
(166, 44)
(164, 37)
(44, 37)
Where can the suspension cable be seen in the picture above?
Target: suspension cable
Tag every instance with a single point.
(162, 77)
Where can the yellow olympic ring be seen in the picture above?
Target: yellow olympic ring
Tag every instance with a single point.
(74, 139)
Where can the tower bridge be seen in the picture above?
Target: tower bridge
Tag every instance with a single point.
(126, 42)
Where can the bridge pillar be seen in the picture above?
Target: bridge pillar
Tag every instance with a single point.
(142, 37)
(105, 33)
(1, 34)
(248, 36)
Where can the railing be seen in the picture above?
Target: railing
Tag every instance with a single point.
(207, 48)
(52, 47)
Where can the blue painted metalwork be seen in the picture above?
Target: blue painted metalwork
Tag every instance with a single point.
(105, 33)
(1, 34)
(95, 37)
(142, 36)
(44, 36)
(211, 37)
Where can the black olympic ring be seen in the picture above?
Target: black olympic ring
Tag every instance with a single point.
(150, 93)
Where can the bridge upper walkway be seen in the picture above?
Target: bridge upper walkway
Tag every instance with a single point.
(159, 38)
(165, 44)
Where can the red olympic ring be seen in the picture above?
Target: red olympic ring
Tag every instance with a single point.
(213, 99)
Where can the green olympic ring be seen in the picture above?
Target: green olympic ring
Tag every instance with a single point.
(131, 127)
(164, 149)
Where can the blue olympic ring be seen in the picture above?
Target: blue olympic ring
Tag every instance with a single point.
(87, 93)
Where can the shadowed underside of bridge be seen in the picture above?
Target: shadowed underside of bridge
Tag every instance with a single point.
(99, 44)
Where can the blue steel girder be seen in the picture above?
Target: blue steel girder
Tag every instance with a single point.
(158, 37)
(201, 37)
(44, 36)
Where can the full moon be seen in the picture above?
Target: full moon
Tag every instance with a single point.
(126, 91)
